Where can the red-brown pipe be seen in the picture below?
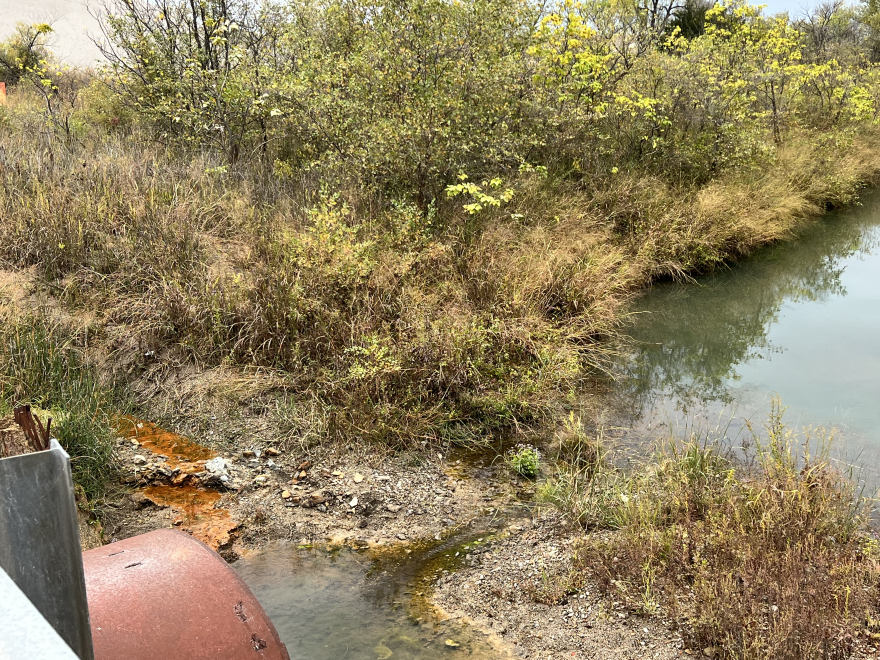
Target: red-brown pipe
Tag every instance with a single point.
(166, 596)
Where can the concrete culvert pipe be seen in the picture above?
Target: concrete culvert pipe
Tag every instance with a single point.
(165, 595)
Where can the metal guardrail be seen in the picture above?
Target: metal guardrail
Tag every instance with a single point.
(39, 542)
(24, 633)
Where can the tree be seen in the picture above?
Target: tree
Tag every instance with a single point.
(198, 69)
(23, 52)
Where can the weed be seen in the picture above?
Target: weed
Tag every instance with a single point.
(42, 365)
(525, 460)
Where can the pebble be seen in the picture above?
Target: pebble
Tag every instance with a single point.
(358, 478)
(248, 454)
(271, 451)
(393, 508)
(353, 503)
(303, 475)
(260, 480)
(139, 460)
(286, 495)
(135, 443)
(452, 643)
(337, 473)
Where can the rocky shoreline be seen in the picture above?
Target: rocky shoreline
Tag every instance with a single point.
(374, 501)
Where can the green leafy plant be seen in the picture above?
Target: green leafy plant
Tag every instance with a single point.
(525, 460)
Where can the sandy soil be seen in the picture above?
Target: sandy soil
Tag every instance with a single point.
(497, 591)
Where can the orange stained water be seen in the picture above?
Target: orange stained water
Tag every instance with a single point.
(182, 452)
(195, 507)
(196, 512)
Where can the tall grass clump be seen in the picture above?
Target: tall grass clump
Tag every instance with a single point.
(42, 365)
(770, 560)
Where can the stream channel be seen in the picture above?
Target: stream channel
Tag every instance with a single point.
(341, 604)
(799, 320)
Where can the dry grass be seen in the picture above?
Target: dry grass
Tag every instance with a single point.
(771, 561)
(396, 324)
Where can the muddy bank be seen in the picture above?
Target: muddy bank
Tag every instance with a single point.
(243, 500)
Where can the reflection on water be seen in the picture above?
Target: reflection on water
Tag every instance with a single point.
(346, 605)
(801, 320)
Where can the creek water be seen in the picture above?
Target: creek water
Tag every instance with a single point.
(799, 320)
(372, 604)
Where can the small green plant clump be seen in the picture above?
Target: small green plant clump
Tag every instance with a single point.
(525, 460)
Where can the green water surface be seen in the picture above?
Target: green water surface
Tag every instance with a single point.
(800, 320)
(372, 605)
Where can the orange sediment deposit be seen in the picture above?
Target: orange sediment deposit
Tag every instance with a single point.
(197, 512)
(196, 507)
(182, 452)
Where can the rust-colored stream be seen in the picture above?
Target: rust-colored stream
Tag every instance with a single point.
(196, 506)
(197, 512)
(182, 452)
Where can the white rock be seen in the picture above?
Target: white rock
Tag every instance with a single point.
(216, 465)
(353, 503)
(139, 460)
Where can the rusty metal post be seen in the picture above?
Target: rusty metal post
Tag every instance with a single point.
(39, 541)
